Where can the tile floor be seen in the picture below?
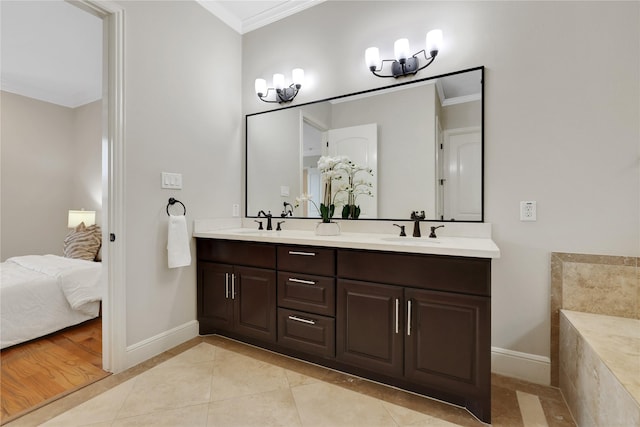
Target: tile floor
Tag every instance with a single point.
(213, 381)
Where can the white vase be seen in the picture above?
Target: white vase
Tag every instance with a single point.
(327, 229)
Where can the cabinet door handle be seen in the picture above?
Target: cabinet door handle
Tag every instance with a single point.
(226, 285)
(305, 282)
(302, 253)
(299, 319)
(409, 318)
(233, 286)
(397, 314)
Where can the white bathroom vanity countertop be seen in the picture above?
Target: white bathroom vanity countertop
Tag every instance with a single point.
(477, 247)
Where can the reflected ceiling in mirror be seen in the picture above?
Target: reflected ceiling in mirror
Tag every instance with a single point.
(422, 139)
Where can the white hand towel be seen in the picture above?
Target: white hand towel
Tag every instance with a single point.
(178, 242)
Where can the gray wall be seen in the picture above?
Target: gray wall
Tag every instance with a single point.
(275, 159)
(51, 163)
(561, 120)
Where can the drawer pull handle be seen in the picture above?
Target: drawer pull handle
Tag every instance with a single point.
(226, 285)
(298, 319)
(233, 286)
(397, 310)
(409, 318)
(302, 253)
(305, 282)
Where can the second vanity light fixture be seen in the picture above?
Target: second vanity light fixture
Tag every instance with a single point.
(282, 94)
(405, 63)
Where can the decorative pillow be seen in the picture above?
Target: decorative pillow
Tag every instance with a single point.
(98, 232)
(83, 242)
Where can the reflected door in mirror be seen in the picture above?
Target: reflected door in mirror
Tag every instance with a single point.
(360, 145)
(463, 157)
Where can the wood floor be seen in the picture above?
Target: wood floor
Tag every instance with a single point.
(39, 371)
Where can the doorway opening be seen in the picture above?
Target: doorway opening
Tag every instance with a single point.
(111, 325)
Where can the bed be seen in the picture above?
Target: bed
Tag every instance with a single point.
(40, 294)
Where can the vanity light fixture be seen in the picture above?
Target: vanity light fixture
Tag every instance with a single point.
(404, 64)
(282, 94)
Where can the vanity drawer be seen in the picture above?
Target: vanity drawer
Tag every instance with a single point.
(309, 333)
(252, 254)
(437, 272)
(315, 294)
(307, 259)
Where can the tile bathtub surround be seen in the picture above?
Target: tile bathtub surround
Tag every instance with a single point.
(600, 368)
(216, 381)
(597, 284)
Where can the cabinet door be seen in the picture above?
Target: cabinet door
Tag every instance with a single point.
(215, 308)
(369, 326)
(254, 300)
(448, 342)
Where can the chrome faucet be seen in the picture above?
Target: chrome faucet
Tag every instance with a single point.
(268, 216)
(417, 217)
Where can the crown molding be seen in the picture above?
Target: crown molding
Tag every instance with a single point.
(269, 16)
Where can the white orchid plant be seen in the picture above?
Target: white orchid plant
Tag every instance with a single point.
(354, 187)
(341, 171)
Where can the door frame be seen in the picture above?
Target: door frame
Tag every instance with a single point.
(113, 164)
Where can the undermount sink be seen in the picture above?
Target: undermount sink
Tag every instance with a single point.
(411, 240)
(251, 231)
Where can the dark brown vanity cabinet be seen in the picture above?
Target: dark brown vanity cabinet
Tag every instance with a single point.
(237, 294)
(422, 320)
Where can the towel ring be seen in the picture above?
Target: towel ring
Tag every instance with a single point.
(173, 201)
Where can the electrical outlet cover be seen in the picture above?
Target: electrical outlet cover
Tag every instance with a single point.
(528, 211)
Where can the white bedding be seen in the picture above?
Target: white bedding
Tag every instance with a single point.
(40, 294)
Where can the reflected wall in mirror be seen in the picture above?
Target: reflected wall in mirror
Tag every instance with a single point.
(422, 139)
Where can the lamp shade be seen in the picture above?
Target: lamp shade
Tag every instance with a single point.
(76, 217)
(297, 75)
(261, 86)
(401, 49)
(278, 81)
(372, 57)
(434, 41)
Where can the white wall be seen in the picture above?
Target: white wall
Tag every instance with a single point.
(50, 164)
(182, 114)
(561, 120)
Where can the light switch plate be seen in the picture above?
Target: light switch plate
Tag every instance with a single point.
(528, 211)
(284, 191)
(172, 181)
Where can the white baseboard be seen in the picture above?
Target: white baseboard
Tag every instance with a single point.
(524, 366)
(145, 350)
